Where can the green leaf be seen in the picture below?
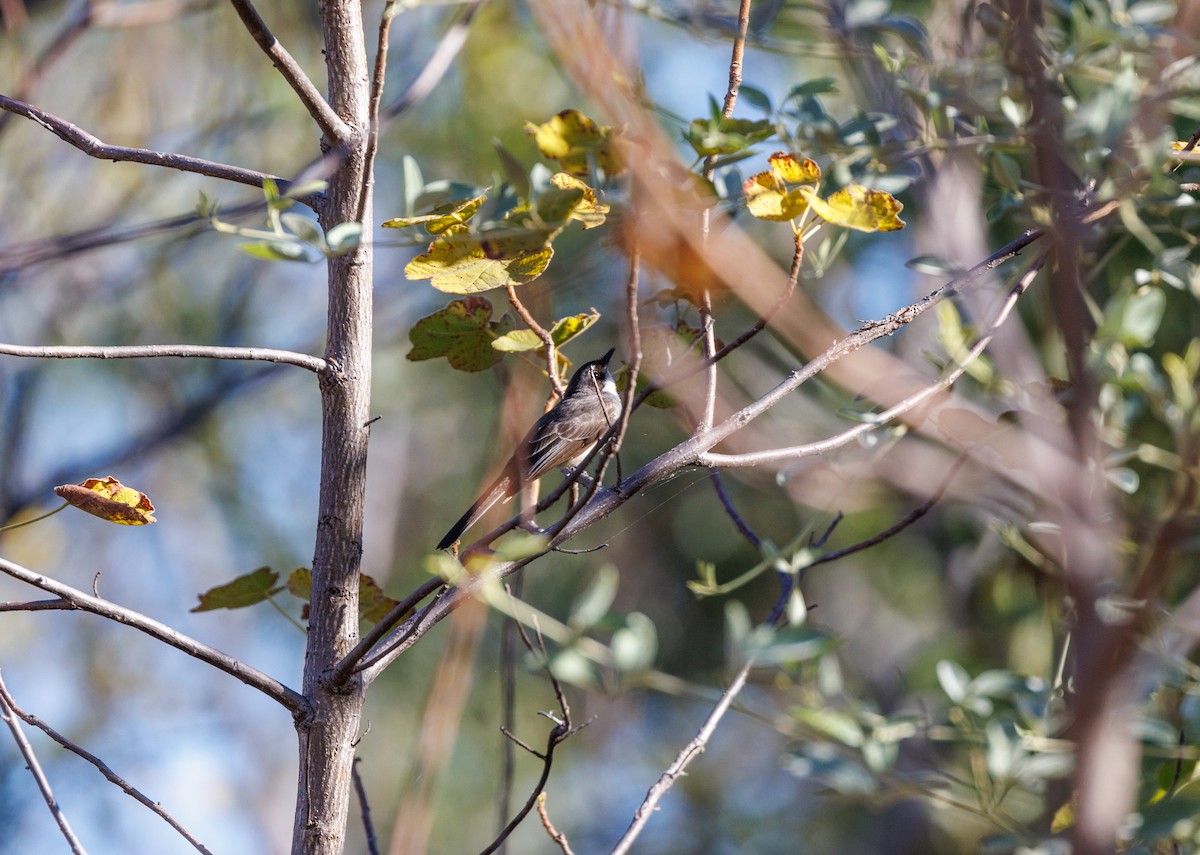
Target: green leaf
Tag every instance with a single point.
(516, 174)
(462, 332)
(247, 590)
(517, 341)
(414, 183)
(306, 188)
(373, 603)
(635, 645)
(593, 604)
(1142, 315)
(832, 723)
(304, 228)
(567, 328)
(858, 207)
(442, 216)
(718, 135)
(299, 583)
(343, 238)
(280, 250)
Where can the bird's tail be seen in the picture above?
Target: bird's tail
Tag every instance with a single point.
(502, 488)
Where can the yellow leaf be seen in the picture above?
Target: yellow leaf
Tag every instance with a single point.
(571, 138)
(795, 169)
(586, 209)
(110, 500)
(1064, 817)
(858, 207)
(768, 199)
(463, 265)
(444, 217)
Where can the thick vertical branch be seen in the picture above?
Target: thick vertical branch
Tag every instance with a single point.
(327, 737)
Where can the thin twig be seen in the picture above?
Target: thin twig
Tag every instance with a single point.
(777, 611)
(437, 66)
(347, 666)
(689, 753)
(547, 342)
(562, 730)
(336, 130)
(555, 835)
(33, 721)
(269, 686)
(31, 763)
(152, 351)
(378, 77)
(93, 146)
(365, 808)
(707, 322)
(727, 502)
(758, 458)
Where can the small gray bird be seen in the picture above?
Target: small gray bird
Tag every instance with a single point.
(560, 438)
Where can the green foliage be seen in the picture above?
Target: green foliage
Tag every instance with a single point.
(463, 332)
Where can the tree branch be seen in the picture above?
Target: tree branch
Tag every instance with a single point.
(8, 714)
(757, 458)
(269, 686)
(336, 131)
(32, 720)
(684, 759)
(436, 67)
(149, 351)
(546, 339)
(93, 146)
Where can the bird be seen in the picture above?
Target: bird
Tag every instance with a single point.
(563, 437)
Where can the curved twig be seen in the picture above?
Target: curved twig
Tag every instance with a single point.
(337, 131)
(8, 714)
(101, 766)
(95, 147)
(269, 686)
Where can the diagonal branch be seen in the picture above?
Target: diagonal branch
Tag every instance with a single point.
(33, 721)
(95, 147)
(757, 458)
(184, 351)
(437, 66)
(269, 686)
(336, 131)
(684, 759)
(8, 714)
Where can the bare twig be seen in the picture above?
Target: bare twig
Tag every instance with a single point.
(32, 720)
(546, 339)
(31, 762)
(555, 835)
(336, 130)
(437, 66)
(378, 77)
(93, 146)
(562, 730)
(152, 351)
(757, 458)
(684, 759)
(348, 664)
(365, 808)
(727, 502)
(269, 686)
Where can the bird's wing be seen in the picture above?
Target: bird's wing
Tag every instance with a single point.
(554, 443)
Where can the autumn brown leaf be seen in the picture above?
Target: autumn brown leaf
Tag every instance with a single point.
(110, 500)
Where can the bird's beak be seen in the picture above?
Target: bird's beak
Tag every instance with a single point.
(603, 360)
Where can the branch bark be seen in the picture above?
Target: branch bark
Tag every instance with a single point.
(327, 737)
(77, 599)
(95, 147)
(151, 351)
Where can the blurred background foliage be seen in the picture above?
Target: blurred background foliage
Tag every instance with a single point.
(919, 709)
